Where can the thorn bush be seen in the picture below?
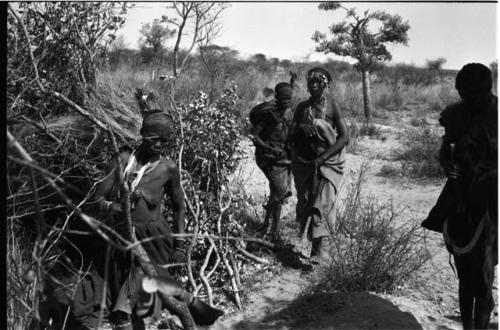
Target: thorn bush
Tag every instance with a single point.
(375, 248)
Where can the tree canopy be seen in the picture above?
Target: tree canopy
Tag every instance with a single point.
(436, 64)
(155, 34)
(354, 38)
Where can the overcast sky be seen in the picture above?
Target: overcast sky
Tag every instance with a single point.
(459, 32)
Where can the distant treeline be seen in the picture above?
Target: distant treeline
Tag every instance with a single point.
(229, 64)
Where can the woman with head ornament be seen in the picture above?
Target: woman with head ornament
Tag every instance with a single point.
(319, 135)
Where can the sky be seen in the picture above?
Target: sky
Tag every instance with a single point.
(459, 32)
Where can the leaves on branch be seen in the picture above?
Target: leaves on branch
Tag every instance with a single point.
(353, 38)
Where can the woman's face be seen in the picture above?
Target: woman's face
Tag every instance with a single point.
(154, 144)
(316, 87)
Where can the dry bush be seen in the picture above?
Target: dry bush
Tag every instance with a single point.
(77, 148)
(375, 249)
(348, 95)
(20, 291)
(418, 121)
(353, 135)
(389, 171)
(389, 97)
(370, 129)
(420, 153)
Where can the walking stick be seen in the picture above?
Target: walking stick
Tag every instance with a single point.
(455, 181)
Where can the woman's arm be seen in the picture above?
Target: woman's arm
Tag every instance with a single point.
(255, 132)
(104, 187)
(176, 196)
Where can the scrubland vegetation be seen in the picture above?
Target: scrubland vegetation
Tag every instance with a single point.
(66, 141)
(376, 247)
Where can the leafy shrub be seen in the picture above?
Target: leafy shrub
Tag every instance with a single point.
(375, 248)
(70, 146)
(67, 40)
(211, 136)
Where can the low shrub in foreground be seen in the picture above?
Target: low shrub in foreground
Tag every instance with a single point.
(375, 248)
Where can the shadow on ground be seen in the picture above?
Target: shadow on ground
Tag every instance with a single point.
(291, 259)
(457, 318)
(334, 311)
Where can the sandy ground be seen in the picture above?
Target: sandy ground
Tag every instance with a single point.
(276, 297)
(278, 301)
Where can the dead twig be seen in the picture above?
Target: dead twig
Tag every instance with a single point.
(203, 278)
(252, 256)
(236, 269)
(104, 287)
(230, 271)
(215, 237)
(125, 190)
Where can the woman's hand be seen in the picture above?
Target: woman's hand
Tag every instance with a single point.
(451, 170)
(309, 130)
(280, 153)
(317, 162)
(179, 251)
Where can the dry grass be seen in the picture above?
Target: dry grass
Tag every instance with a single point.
(20, 294)
(420, 155)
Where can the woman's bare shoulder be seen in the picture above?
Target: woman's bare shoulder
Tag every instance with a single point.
(168, 164)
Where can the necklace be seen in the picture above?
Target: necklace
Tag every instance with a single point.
(322, 109)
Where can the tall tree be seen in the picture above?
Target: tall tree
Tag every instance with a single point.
(215, 60)
(201, 19)
(353, 38)
(437, 66)
(155, 34)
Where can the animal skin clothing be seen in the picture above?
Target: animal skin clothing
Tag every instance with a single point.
(317, 188)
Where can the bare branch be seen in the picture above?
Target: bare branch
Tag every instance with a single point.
(252, 256)
(30, 51)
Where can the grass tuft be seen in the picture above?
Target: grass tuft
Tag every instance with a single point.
(421, 151)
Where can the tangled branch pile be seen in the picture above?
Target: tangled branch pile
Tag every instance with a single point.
(61, 115)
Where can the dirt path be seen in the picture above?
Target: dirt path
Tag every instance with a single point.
(279, 302)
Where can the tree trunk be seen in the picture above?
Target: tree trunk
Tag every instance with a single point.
(367, 101)
(212, 89)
